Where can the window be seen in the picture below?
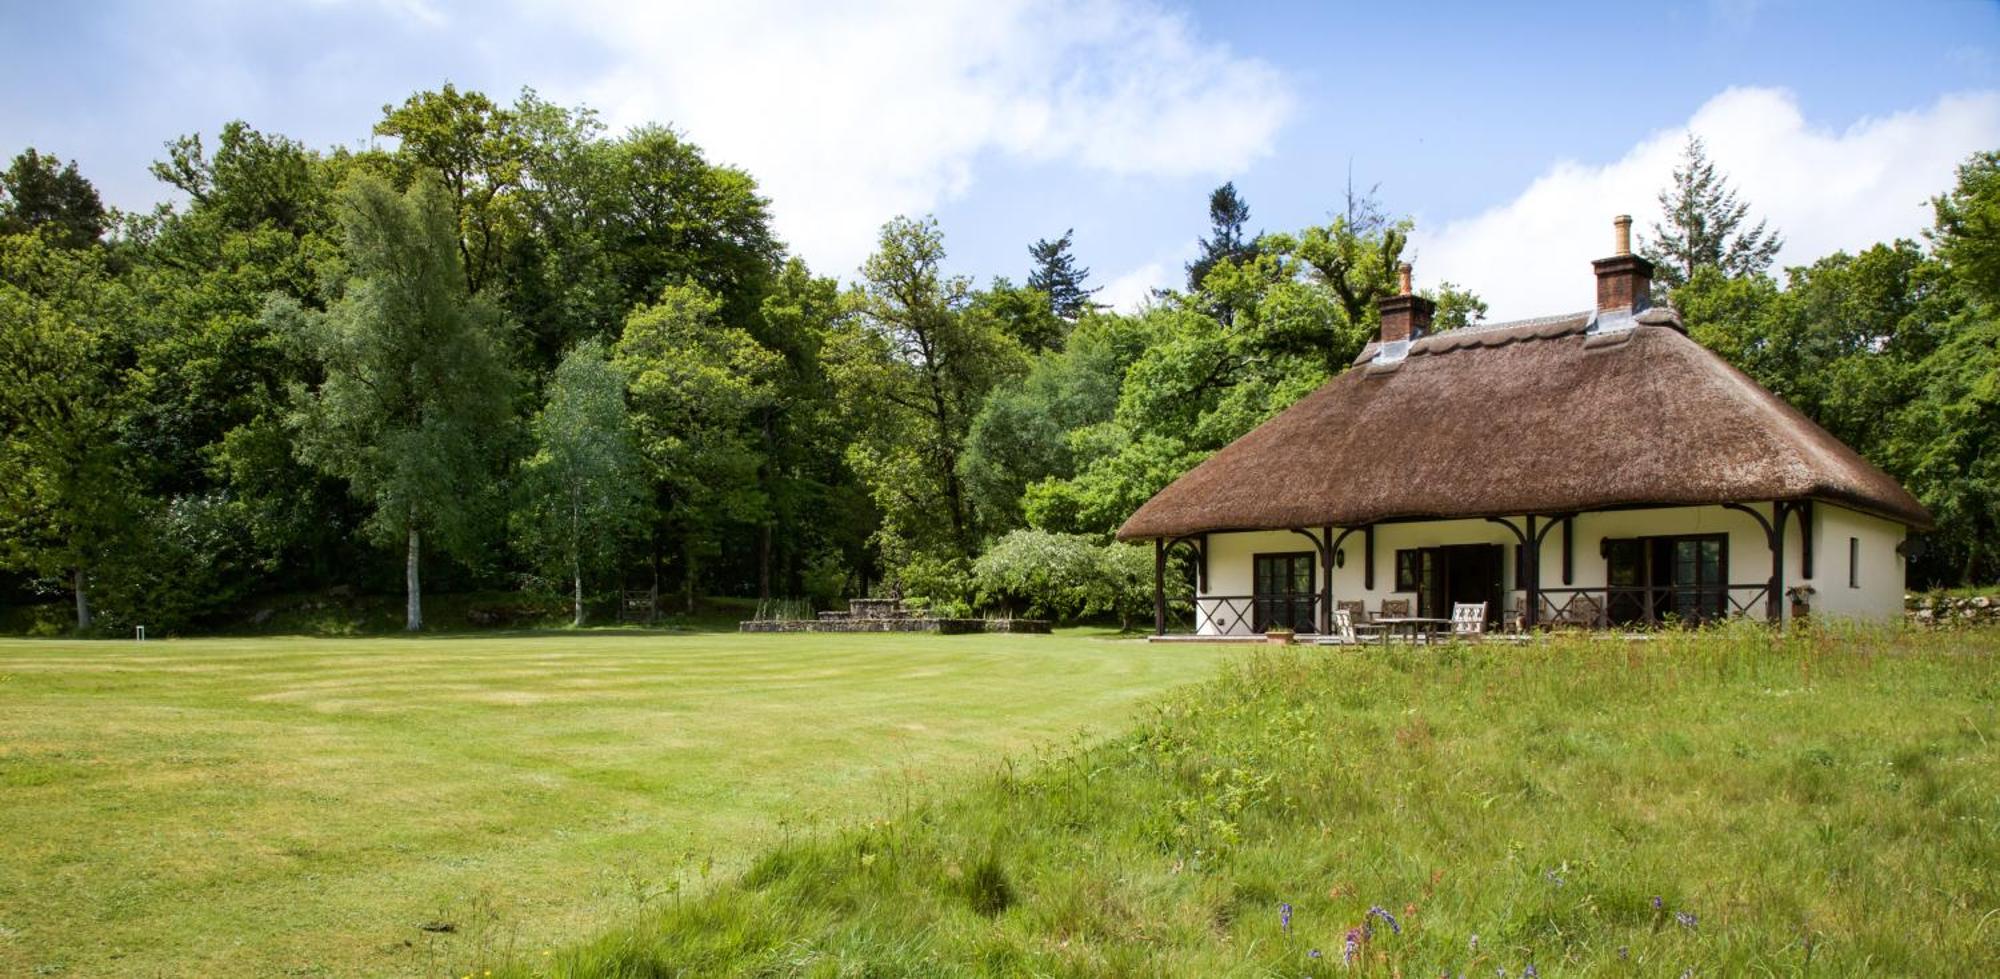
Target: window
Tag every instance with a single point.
(1409, 569)
(1854, 562)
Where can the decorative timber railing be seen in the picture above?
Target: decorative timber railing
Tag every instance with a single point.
(1243, 615)
(1601, 607)
(1608, 607)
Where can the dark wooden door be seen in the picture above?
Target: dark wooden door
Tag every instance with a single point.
(1468, 574)
(1282, 592)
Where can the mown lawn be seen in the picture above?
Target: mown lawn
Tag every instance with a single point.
(1721, 804)
(387, 806)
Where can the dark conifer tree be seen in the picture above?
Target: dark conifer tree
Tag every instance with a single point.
(1704, 225)
(1057, 276)
(1227, 216)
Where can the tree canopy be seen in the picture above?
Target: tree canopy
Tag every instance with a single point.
(502, 348)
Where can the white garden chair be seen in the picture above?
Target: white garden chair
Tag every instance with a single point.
(1468, 620)
(1342, 633)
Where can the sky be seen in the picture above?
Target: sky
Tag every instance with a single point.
(1511, 134)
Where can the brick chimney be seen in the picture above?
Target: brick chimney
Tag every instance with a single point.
(1624, 281)
(1405, 316)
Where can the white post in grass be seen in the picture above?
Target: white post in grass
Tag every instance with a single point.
(139, 633)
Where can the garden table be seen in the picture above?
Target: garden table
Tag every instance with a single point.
(1415, 623)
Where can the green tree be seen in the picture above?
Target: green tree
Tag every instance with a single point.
(1019, 312)
(1705, 225)
(1022, 434)
(478, 152)
(1948, 444)
(415, 392)
(1057, 276)
(916, 368)
(209, 386)
(697, 385)
(819, 519)
(1966, 232)
(1228, 216)
(65, 491)
(43, 192)
(584, 486)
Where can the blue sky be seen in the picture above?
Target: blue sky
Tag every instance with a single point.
(1511, 135)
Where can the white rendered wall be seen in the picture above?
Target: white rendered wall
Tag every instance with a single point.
(1880, 595)
(1877, 592)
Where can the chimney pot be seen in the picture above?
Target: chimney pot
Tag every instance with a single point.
(1625, 280)
(1403, 275)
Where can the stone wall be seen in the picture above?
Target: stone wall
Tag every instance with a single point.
(947, 627)
(889, 615)
(1941, 610)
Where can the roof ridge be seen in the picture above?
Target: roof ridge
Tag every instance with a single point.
(1512, 324)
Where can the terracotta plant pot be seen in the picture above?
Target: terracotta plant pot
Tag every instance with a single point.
(1278, 637)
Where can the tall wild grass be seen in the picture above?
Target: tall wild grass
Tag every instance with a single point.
(1722, 802)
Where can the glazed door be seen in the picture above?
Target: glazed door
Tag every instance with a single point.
(1282, 596)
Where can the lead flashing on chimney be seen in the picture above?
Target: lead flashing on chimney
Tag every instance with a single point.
(1391, 352)
(1611, 321)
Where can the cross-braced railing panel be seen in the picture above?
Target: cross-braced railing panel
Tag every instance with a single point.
(1244, 615)
(1608, 606)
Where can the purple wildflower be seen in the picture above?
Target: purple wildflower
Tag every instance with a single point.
(1351, 947)
(1530, 973)
(1687, 920)
(1656, 902)
(1624, 951)
(1285, 917)
(1313, 954)
(1390, 919)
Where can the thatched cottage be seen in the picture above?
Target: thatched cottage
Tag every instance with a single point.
(1597, 468)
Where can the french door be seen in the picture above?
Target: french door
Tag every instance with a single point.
(1653, 577)
(1282, 592)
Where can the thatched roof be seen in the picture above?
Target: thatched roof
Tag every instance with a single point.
(1541, 416)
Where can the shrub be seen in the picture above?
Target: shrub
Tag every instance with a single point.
(1063, 576)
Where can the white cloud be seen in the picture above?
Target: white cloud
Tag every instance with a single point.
(851, 114)
(1128, 292)
(1825, 190)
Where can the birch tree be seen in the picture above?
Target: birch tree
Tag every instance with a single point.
(415, 390)
(583, 486)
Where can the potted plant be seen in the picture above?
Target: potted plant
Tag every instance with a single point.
(1801, 596)
(1279, 637)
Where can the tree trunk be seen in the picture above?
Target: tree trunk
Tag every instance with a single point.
(765, 479)
(764, 561)
(413, 617)
(687, 575)
(653, 595)
(576, 555)
(82, 603)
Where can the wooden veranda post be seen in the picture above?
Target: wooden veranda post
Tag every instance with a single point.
(1159, 586)
(1774, 603)
(1774, 535)
(1326, 581)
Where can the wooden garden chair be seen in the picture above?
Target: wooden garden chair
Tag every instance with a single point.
(1342, 633)
(1468, 620)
